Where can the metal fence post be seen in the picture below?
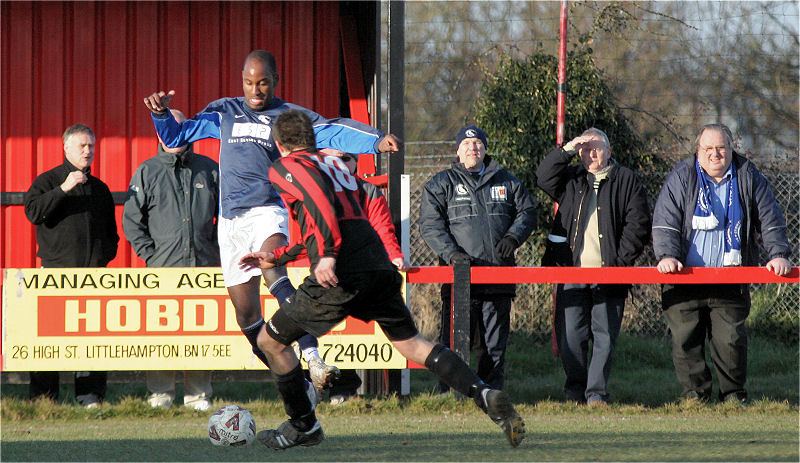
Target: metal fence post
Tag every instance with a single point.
(390, 381)
(459, 311)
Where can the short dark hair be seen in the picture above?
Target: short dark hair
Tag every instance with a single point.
(77, 128)
(263, 56)
(293, 130)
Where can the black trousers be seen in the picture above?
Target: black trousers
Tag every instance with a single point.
(45, 383)
(716, 314)
(490, 322)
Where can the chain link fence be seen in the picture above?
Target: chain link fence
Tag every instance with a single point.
(659, 60)
(774, 310)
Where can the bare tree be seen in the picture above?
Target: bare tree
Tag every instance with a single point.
(672, 66)
(682, 64)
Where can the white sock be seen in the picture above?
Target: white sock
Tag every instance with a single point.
(310, 353)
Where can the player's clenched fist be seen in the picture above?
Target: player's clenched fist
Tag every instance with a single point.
(390, 144)
(159, 102)
(260, 259)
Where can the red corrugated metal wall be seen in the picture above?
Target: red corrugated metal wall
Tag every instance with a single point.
(93, 62)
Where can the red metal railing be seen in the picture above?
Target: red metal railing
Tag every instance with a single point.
(459, 340)
(606, 275)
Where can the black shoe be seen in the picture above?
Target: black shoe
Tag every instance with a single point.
(287, 436)
(498, 406)
(738, 397)
(694, 396)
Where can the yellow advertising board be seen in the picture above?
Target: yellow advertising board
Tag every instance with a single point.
(105, 319)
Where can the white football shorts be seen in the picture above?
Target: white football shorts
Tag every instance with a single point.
(244, 234)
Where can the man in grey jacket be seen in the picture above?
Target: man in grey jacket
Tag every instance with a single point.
(478, 211)
(170, 220)
(708, 214)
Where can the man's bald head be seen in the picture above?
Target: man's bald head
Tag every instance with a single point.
(259, 78)
(264, 57)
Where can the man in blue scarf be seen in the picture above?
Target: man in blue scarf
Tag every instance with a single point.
(708, 214)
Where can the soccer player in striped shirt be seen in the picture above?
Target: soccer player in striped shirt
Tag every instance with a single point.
(350, 275)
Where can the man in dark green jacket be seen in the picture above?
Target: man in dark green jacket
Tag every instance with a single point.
(170, 220)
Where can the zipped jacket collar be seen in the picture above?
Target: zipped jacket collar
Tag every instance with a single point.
(171, 159)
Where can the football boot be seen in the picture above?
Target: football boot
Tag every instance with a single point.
(322, 374)
(498, 406)
(287, 436)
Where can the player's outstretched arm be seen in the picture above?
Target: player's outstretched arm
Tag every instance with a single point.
(158, 102)
(260, 259)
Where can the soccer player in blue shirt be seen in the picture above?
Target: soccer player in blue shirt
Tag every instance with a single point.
(252, 217)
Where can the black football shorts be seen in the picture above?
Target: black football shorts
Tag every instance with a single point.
(367, 296)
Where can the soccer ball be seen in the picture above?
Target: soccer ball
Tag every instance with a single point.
(231, 426)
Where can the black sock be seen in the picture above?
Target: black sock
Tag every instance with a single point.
(307, 341)
(282, 289)
(292, 387)
(449, 367)
(251, 333)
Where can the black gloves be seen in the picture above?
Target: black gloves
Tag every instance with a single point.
(459, 257)
(506, 246)
(505, 249)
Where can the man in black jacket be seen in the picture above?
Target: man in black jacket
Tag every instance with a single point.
(603, 220)
(477, 210)
(170, 220)
(75, 227)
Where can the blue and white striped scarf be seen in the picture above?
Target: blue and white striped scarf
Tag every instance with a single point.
(704, 219)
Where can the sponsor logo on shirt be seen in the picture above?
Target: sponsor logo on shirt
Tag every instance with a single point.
(461, 192)
(498, 193)
(251, 129)
(289, 178)
(199, 185)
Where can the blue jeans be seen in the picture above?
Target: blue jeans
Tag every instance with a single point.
(587, 312)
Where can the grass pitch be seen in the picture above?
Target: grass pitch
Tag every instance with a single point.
(644, 422)
(359, 431)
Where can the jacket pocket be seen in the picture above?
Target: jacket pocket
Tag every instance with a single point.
(557, 252)
(460, 212)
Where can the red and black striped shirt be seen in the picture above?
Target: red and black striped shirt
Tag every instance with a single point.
(325, 200)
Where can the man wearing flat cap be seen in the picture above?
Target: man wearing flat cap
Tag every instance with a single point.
(478, 211)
